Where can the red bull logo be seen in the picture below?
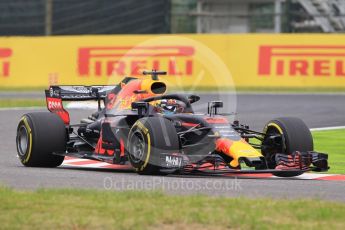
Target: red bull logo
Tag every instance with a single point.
(318, 61)
(5, 54)
(122, 60)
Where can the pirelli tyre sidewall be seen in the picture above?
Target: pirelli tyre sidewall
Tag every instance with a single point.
(38, 136)
(148, 139)
(296, 136)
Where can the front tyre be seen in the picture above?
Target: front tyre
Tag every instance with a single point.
(38, 136)
(148, 138)
(296, 136)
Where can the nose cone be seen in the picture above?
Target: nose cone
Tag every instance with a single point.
(236, 150)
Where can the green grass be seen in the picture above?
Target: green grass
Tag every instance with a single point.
(88, 209)
(8, 103)
(333, 143)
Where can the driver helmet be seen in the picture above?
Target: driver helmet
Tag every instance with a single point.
(170, 106)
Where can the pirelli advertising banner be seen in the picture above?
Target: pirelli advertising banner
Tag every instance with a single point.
(191, 61)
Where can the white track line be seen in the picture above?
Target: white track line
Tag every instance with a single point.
(312, 176)
(327, 128)
(87, 105)
(74, 160)
(91, 165)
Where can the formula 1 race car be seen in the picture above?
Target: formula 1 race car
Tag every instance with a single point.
(159, 133)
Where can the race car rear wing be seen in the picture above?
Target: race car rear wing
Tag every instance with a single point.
(79, 93)
(55, 95)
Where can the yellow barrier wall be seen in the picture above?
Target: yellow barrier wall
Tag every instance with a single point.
(252, 60)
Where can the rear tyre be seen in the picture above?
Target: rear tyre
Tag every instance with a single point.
(148, 138)
(38, 136)
(296, 136)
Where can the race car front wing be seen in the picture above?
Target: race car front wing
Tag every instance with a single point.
(295, 163)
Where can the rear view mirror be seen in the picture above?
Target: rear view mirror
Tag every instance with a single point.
(141, 106)
(213, 106)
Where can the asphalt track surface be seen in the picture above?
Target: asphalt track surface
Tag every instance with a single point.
(255, 110)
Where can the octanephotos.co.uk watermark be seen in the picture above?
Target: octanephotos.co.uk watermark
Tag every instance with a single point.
(172, 184)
